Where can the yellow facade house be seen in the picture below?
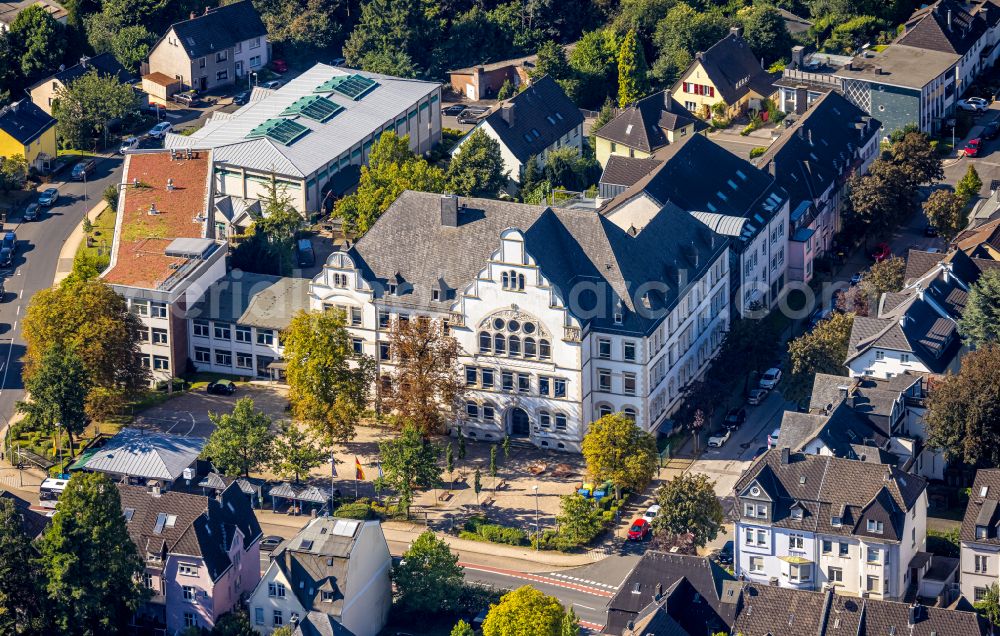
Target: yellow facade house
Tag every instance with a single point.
(25, 129)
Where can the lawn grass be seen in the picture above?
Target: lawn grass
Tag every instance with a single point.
(101, 235)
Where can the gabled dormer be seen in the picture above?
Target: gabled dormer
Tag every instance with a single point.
(756, 504)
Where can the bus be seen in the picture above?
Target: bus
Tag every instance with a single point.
(50, 490)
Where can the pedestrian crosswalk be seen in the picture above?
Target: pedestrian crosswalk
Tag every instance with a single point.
(582, 581)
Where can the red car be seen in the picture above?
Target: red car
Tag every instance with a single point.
(639, 530)
(279, 66)
(882, 252)
(973, 147)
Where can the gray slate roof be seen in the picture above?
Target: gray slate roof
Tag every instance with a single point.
(254, 300)
(146, 455)
(983, 508)
(734, 70)
(626, 171)
(928, 28)
(103, 63)
(24, 121)
(219, 28)
(642, 124)
(570, 246)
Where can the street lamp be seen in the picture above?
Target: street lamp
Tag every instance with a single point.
(537, 535)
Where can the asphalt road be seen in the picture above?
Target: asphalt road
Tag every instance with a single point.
(34, 267)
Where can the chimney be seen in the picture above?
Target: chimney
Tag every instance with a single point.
(170, 185)
(913, 614)
(785, 453)
(801, 99)
(83, 61)
(192, 15)
(735, 31)
(449, 210)
(154, 488)
(507, 114)
(878, 70)
(798, 56)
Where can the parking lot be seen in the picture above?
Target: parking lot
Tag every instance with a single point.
(188, 414)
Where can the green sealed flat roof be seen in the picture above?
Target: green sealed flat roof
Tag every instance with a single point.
(352, 86)
(315, 107)
(283, 131)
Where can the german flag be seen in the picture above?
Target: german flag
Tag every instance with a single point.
(359, 472)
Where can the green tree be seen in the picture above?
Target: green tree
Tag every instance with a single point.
(21, 595)
(391, 169)
(963, 410)
(552, 62)
(507, 90)
(241, 441)
(945, 210)
(881, 278)
(13, 171)
(822, 350)
(461, 445)
(968, 188)
(306, 27)
(409, 462)
(462, 628)
(680, 35)
(605, 115)
(523, 612)
(235, 623)
(85, 107)
(765, 31)
(89, 562)
(632, 81)
(989, 607)
(566, 167)
(918, 158)
(616, 448)
(881, 198)
(428, 578)
(570, 625)
(980, 322)
(477, 170)
(284, 630)
(268, 247)
(38, 40)
(327, 382)
(493, 465)
(579, 519)
(594, 62)
(689, 506)
(477, 484)
(294, 453)
(131, 45)
(398, 30)
(505, 445)
(58, 393)
(449, 459)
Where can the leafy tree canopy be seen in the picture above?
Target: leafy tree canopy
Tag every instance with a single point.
(525, 611)
(689, 506)
(478, 169)
(241, 441)
(616, 448)
(980, 322)
(428, 578)
(822, 350)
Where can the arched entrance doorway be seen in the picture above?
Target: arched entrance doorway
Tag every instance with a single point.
(518, 423)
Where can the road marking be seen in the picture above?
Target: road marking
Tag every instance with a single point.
(535, 578)
(10, 350)
(592, 609)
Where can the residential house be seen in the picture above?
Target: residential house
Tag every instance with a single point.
(164, 254)
(916, 329)
(562, 316)
(980, 536)
(202, 554)
(235, 327)
(531, 124)
(27, 130)
(214, 49)
(806, 78)
(483, 81)
(234, 216)
(621, 173)
(813, 161)
(865, 418)
(313, 134)
(808, 521)
(644, 127)
(45, 91)
(981, 243)
(330, 578)
(730, 197)
(728, 74)
(10, 10)
(137, 456)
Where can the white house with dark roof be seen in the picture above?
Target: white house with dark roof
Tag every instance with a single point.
(808, 521)
(314, 133)
(333, 577)
(533, 123)
(979, 536)
(561, 315)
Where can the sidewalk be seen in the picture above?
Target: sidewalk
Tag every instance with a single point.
(64, 266)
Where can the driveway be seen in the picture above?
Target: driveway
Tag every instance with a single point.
(188, 414)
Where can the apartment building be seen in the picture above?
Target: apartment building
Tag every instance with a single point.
(980, 536)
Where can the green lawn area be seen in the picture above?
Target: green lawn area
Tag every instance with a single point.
(100, 235)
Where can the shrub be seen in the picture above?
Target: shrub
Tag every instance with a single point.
(355, 510)
(478, 529)
(757, 151)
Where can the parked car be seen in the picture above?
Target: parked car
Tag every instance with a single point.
(735, 418)
(9, 241)
(882, 252)
(83, 169)
(973, 148)
(242, 98)
(160, 130)
(770, 378)
(269, 543)
(725, 554)
(756, 396)
(31, 212)
(304, 254)
(48, 197)
(273, 85)
(454, 110)
(639, 530)
(720, 438)
(991, 130)
(187, 98)
(472, 115)
(129, 143)
(651, 513)
(221, 387)
(279, 66)
(6, 256)
(772, 438)
(973, 104)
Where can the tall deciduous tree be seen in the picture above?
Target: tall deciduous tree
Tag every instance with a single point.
(85, 107)
(294, 453)
(688, 506)
(989, 606)
(269, 244)
(881, 197)
(396, 29)
(328, 384)
(89, 562)
(552, 62)
(822, 350)
(478, 169)
(58, 393)
(462, 628)
(408, 462)
(918, 159)
(616, 448)
(391, 169)
(881, 278)
(946, 211)
(38, 39)
(963, 414)
(980, 322)
(242, 440)
(21, 586)
(579, 519)
(428, 578)
(525, 611)
(594, 61)
(632, 81)
(765, 31)
(427, 379)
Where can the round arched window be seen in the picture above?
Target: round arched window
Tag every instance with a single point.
(498, 323)
(514, 346)
(513, 325)
(528, 327)
(529, 348)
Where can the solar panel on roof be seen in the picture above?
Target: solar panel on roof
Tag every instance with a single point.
(352, 86)
(283, 131)
(314, 107)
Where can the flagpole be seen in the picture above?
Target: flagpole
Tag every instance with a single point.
(333, 476)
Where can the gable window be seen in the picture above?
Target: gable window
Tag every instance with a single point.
(190, 620)
(258, 615)
(188, 592)
(276, 590)
(327, 596)
(876, 526)
(187, 569)
(982, 532)
(485, 342)
(277, 618)
(544, 352)
(981, 563)
(797, 513)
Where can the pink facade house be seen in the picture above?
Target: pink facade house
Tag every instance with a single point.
(202, 554)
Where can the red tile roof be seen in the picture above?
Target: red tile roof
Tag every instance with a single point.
(138, 256)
